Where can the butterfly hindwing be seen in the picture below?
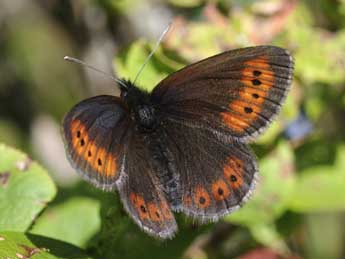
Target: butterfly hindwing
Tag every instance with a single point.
(215, 178)
(141, 192)
(95, 131)
(234, 94)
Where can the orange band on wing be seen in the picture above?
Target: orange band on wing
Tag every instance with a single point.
(97, 157)
(256, 96)
(234, 122)
(201, 197)
(249, 112)
(140, 205)
(150, 210)
(233, 172)
(257, 78)
(155, 213)
(220, 190)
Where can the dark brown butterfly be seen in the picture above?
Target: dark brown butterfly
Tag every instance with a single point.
(182, 147)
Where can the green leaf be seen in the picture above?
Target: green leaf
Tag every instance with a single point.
(273, 191)
(270, 134)
(123, 6)
(323, 182)
(20, 245)
(186, 3)
(75, 221)
(25, 189)
(330, 244)
(203, 40)
(267, 234)
(10, 133)
(321, 188)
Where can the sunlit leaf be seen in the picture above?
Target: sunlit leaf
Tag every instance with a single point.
(74, 221)
(268, 235)
(321, 188)
(186, 3)
(22, 246)
(25, 189)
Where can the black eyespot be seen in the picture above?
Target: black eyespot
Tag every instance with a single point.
(233, 178)
(256, 82)
(78, 134)
(257, 73)
(256, 96)
(89, 153)
(220, 191)
(143, 209)
(248, 110)
(99, 162)
(202, 200)
(82, 142)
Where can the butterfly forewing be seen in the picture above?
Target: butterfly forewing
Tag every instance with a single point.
(234, 95)
(95, 132)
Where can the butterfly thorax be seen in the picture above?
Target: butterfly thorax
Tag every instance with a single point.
(140, 107)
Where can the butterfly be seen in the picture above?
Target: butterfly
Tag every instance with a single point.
(184, 146)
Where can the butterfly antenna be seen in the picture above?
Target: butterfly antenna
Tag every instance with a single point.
(153, 51)
(78, 61)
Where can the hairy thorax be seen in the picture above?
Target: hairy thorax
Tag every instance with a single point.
(146, 117)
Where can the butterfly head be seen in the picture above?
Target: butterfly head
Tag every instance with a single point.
(140, 105)
(132, 95)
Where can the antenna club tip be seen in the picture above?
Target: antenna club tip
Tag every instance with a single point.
(66, 58)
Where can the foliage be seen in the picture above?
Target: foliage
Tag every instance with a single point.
(20, 245)
(22, 198)
(75, 221)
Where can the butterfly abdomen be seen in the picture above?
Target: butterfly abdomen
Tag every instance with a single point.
(165, 168)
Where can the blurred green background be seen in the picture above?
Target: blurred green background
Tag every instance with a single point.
(297, 210)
